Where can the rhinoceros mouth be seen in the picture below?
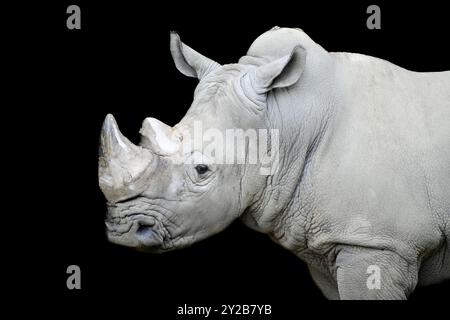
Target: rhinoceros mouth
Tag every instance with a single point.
(137, 230)
(118, 228)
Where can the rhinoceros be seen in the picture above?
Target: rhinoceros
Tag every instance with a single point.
(360, 190)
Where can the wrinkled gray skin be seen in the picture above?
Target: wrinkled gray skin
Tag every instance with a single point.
(363, 177)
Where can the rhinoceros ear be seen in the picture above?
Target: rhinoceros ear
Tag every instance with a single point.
(280, 73)
(188, 61)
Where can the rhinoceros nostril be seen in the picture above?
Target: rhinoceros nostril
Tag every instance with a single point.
(144, 229)
(147, 235)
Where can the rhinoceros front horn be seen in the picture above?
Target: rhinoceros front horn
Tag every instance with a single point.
(124, 168)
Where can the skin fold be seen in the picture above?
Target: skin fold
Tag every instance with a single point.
(363, 173)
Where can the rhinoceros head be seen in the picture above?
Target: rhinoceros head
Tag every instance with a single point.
(168, 192)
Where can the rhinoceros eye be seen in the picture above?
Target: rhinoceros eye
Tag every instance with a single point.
(201, 168)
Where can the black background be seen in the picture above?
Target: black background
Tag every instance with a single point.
(119, 63)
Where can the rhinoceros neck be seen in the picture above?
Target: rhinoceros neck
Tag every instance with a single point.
(302, 115)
